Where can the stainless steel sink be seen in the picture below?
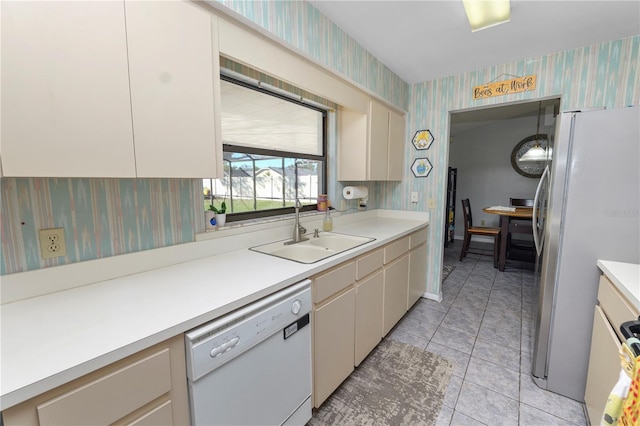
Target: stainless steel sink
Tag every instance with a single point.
(326, 244)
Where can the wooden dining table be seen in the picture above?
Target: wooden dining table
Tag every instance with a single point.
(505, 215)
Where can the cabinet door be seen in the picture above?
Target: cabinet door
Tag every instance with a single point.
(396, 146)
(352, 144)
(369, 294)
(378, 141)
(65, 90)
(334, 342)
(396, 277)
(417, 274)
(604, 366)
(175, 87)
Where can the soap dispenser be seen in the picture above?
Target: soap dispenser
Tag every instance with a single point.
(327, 222)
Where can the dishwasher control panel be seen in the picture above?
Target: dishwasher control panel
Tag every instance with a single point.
(219, 341)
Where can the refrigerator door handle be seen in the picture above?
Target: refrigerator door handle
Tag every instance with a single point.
(537, 239)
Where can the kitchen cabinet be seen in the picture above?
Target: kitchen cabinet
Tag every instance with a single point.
(134, 104)
(333, 343)
(148, 388)
(396, 277)
(355, 305)
(604, 359)
(417, 266)
(65, 90)
(371, 144)
(369, 304)
(175, 89)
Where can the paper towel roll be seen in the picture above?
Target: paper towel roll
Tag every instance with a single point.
(355, 192)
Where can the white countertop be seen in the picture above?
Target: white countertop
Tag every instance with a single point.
(626, 277)
(54, 338)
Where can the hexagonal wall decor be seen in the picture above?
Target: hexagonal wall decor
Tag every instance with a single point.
(421, 167)
(422, 139)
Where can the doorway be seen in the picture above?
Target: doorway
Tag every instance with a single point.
(481, 144)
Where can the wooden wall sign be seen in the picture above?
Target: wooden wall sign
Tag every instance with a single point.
(505, 87)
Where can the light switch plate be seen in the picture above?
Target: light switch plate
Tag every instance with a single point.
(432, 203)
(52, 243)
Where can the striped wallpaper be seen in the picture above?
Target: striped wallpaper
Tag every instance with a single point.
(605, 74)
(106, 217)
(101, 217)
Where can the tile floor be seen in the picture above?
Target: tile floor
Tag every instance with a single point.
(483, 326)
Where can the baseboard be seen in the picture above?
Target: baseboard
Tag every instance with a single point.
(432, 296)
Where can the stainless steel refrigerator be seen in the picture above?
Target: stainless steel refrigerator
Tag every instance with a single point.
(589, 204)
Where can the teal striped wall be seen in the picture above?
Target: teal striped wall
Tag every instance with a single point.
(101, 217)
(306, 29)
(605, 74)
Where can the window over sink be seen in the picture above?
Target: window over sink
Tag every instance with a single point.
(274, 150)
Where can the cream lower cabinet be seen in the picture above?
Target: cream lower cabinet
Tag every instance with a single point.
(604, 361)
(148, 388)
(417, 266)
(369, 298)
(396, 277)
(334, 343)
(369, 302)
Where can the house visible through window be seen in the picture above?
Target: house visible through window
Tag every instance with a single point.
(273, 152)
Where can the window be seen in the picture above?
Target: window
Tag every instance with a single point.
(273, 152)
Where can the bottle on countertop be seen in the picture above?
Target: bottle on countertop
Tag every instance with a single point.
(327, 222)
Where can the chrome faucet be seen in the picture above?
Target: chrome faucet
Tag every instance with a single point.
(298, 230)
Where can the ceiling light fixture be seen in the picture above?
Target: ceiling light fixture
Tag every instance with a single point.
(487, 13)
(536, 152)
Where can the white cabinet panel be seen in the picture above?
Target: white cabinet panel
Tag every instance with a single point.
(371, 145)
(396, 277)
(174, 71)
(396, 146)
(417, 274)
(378, 141)
(369, 295)
(65, 90)
(334, 344)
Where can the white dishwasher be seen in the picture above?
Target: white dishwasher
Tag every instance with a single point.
(253, 366)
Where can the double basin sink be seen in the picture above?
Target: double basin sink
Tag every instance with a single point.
(314, 249)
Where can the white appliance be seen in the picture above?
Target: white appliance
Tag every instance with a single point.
(590, 210)
(253, 366)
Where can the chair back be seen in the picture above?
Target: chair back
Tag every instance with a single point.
(521, 202)
(466, 212)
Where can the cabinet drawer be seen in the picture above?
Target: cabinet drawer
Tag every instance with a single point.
(126, 389)
(604, 366)
(396, 249)
(368, 263)
(615, 307)
(333, 281)
(418, 237)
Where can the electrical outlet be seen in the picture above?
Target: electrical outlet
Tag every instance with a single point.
(432, 203)
(414, 197)
(52, 243)
(482, 223)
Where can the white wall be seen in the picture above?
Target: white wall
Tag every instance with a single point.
(485, 176)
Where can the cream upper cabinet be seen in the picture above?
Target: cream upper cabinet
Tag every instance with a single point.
(370, 145)
(396, 148)
(140, 102)
(175, 89)
(65, 90)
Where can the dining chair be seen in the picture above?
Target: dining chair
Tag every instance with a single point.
(521, 247)
(485, 231)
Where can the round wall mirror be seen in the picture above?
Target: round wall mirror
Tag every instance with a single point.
(530, 169)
